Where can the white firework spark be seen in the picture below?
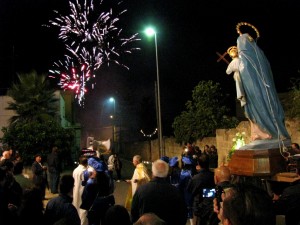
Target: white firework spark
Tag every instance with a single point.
(91, 36)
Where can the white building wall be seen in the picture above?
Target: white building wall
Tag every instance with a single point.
(5, 115)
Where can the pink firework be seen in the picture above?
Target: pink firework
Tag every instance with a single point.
(73, 77)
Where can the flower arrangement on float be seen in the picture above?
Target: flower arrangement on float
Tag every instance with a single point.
(238, 141)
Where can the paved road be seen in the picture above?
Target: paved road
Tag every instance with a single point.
(122, 187)
(120, 193)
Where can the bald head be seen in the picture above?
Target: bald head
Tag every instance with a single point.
(222, 173)
(149, 219)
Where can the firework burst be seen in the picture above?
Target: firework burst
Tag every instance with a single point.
(92, 38)
(73, 76)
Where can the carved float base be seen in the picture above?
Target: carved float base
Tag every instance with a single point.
(257, 162)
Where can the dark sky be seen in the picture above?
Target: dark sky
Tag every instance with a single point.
(189, 34)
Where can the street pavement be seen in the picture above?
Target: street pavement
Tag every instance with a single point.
(120, 193)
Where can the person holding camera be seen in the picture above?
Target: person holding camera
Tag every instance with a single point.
(246, 204)
(204, 179)
(222, 178)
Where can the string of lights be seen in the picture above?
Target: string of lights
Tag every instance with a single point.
(149, 135)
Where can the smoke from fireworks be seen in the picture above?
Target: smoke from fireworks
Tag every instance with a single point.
(92, 38)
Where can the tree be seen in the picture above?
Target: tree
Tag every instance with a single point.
(33, 99)
(35, 128)
(31, 138)
(291, 100)
(204, 114)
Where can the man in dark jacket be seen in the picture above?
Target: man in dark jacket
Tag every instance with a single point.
(39, 174)
(61, 208)
(54, 169)
(159, 197)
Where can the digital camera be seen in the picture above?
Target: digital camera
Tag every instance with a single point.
(208, 192)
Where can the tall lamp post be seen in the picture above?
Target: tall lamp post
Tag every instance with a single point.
(150, 32)
(113, 117)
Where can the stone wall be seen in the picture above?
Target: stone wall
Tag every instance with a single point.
(223, 142)
(149, 150)
(224, 137)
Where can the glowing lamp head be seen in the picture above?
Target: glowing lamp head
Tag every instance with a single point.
(150, 31)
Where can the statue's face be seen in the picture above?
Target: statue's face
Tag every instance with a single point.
(233, 53)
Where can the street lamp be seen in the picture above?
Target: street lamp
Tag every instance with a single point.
(150, 32)
(113, 117)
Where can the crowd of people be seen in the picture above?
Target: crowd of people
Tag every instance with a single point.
(177, 190)
(194, 151)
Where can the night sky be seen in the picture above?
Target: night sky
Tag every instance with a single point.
(189, 33)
